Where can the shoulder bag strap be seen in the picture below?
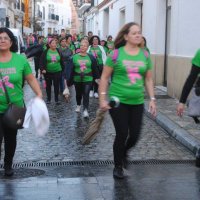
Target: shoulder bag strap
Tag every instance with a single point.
(4, 87)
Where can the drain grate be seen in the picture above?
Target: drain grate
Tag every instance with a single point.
(98, 162)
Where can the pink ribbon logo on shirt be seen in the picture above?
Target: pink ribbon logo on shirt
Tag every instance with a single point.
(7, 83)
(132, 68)
(53, 58)
(133, 74)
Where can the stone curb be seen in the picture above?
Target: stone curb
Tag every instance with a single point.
(176, 131)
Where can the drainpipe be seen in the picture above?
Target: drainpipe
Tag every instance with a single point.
(165, 53)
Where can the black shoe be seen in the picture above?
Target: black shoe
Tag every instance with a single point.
(125, 162)
(8, 172)
(118, 172)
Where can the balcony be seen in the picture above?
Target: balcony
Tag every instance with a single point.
(57, 17)
(84, 5)
(39, 14)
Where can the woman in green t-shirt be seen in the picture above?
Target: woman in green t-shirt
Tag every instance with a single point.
(99, 53)
(51, 65)
(84, 70)
(14, 68)
(130, 71)
(110, 44)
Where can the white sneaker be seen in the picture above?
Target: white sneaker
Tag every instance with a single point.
(91, 93)
(78, 109)
(96, 95)
(85, 113)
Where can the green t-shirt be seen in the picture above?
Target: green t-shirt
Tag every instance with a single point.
(96, 52)
(128, 76)
(13, 73)
(110, 45)
(72, 47)
(196, 59)
(82, 64)
(53, 61)
(106, 49)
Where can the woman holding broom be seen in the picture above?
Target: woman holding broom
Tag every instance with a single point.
(130, 72)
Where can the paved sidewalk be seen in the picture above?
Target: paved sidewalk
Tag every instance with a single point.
(183, 129)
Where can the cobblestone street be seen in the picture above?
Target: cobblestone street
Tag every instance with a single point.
(63, 140)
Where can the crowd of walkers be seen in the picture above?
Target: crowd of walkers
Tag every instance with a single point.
(97, 68)
(67, 60)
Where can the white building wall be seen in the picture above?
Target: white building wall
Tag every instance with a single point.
(185, 30)
(114, 17)
(63, 10)
(153, 25)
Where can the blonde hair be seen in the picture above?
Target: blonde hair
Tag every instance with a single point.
(85, 41)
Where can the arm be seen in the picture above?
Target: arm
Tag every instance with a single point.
(150, 89)
(189, 83)
(103, 87)
(187, 88)
(34, 85)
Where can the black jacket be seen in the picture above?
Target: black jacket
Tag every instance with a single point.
(95, 71)
(43, 60)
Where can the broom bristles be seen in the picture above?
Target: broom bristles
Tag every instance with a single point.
(94, 127)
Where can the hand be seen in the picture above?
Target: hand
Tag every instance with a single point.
(97, 81)
(180, 109)
(103, 105)
(40, 96)
(44, 71)
(152, 108)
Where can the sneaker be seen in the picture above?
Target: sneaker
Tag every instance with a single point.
(118, 172)
(96, 95)
(85, 113)
(91, 93)
(78, 109)
(8, 172)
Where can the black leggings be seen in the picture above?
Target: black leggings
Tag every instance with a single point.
(83, 90)
(10, 142)
(55, 78)
(95, 86)
(127, 120)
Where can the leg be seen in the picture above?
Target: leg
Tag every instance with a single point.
(56, 81)
(78, 88)
(1, 132)
(48, 80)
(86, 91)
(10, 141)
(120, 117)
(135, 122)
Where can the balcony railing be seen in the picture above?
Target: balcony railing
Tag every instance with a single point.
(39, 14)
(84, 5)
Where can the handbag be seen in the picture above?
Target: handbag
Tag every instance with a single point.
(194, 105)
(14, 115)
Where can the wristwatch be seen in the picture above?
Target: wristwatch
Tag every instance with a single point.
(152, 98)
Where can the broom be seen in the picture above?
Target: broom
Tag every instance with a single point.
(96, 123)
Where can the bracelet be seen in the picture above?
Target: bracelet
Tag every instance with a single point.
(152, 98)
(103, 93)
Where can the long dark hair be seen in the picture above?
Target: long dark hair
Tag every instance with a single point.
(14, 46)
(91, 39)
(119, 40)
